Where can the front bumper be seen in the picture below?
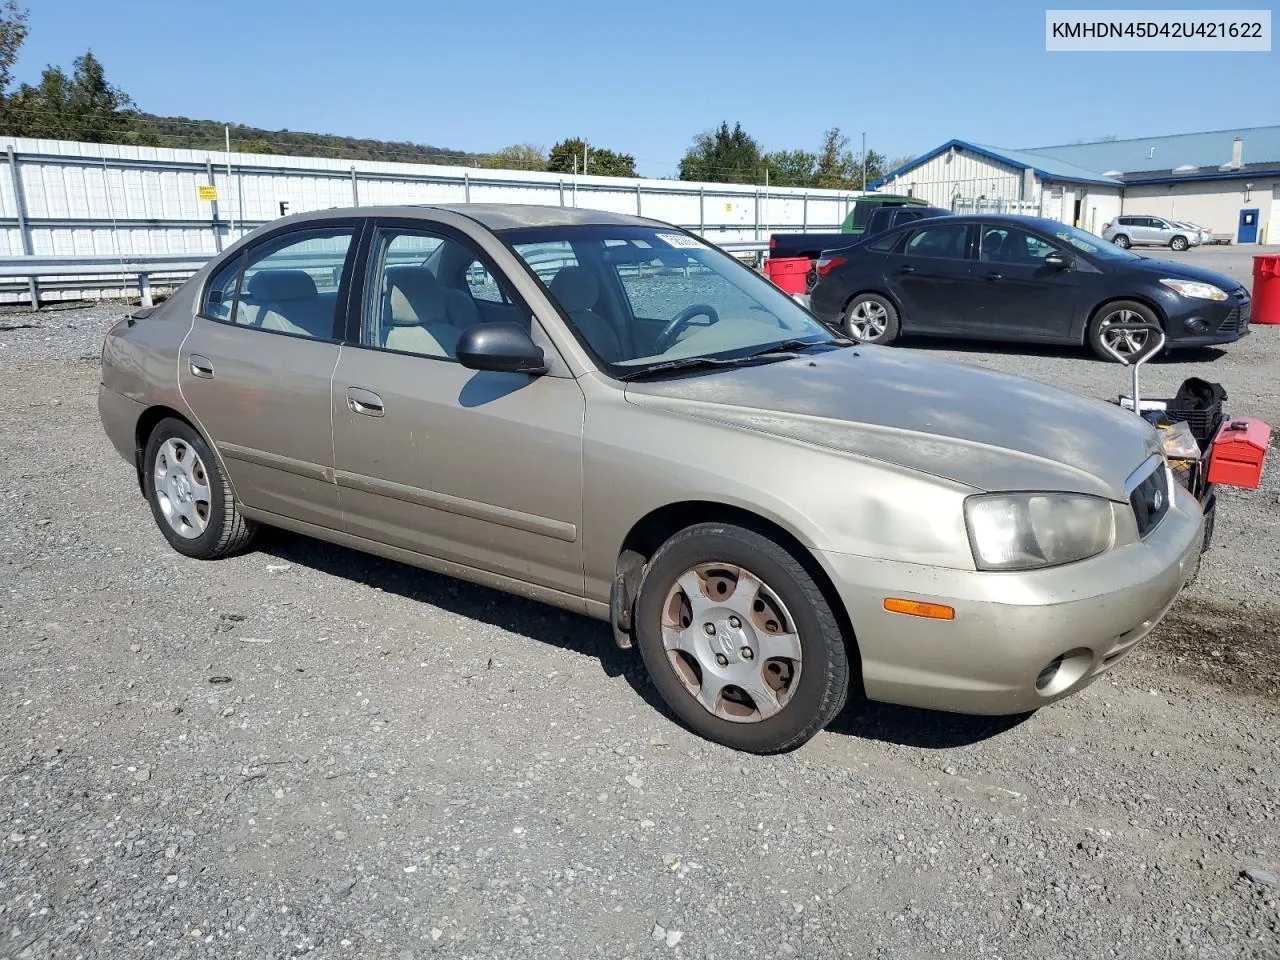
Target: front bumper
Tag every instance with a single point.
(1009, 627)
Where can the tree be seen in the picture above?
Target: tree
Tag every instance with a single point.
(13, 30)
(837, 168)
(876, 167)
(723, 156)
(567, 157)
(896, 162)
(519, 156)
(791, 168)
(83, 107)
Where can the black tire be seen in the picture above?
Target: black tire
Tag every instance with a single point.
(822, 686)
(1108, 310)
(1178, 243)
(871, 302)
(1120, 240)
(226, 531)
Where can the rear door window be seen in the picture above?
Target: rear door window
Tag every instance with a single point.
(944, 241)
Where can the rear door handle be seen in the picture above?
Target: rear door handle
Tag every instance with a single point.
(364, 402)
(995, 276)
(201, 366)
(906, 268)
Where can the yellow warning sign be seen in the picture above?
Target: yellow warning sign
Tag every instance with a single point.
(208, 192)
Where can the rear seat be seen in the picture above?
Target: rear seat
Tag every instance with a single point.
(286, 300)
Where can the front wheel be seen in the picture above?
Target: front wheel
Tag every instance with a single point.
(1178, 243)
(1107, 327)
(871, 318)
(189, 495)
(739, 640)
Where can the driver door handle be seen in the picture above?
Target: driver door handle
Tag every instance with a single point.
(906, 268)
(995, 276)
(364, 402)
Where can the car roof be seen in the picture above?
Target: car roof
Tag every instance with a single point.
(495, 216)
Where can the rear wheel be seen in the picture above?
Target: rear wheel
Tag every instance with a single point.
(1120, 240)
(871, 318)
(739, 640)
(189, 495)
(1178, 243)
(1107, 327)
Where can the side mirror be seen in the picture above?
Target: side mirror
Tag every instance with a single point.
(1057, 261)
(500, 347)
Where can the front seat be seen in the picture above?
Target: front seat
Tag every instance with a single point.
(414, 315)
(576, 289)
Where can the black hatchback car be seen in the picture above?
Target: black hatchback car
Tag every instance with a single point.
(1023, 279)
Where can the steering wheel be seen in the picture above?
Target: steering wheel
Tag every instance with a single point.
(667, 338)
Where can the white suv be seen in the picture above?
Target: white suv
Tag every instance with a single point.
(1128, 231)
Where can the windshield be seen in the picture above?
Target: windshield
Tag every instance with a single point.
(638, 297)
(1090, 243)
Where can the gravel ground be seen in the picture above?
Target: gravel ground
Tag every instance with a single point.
(305, 751)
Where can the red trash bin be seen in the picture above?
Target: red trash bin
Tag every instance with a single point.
(788, 272)
(1266, 288)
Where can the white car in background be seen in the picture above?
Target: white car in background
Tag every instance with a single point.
(1203, 235)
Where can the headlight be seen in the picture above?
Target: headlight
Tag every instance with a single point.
(1023, 531)
(1198, 291)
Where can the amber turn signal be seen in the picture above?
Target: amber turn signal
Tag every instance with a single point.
(916, 608)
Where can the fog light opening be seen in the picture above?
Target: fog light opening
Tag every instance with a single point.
(1048, 673)
(1064, 671)
(1196, 325)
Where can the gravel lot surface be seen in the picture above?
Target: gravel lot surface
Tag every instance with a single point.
(305, 751)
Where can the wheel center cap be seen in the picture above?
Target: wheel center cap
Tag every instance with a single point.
(182, 488)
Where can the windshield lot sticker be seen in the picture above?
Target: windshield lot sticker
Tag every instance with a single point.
(680, 240)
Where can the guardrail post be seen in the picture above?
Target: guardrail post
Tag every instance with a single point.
(562, 193)
(217, 237)
(757, 217)
(638, 207)
(804, 220)
(144, 290)
(702, 210)
(466, 186)
(24, 230)
(355, 189)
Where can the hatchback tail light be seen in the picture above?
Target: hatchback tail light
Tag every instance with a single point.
(826, 264)
(1106, 226)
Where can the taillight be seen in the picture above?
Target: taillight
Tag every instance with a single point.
(1106, 226)
(826, 264)
(773, 243)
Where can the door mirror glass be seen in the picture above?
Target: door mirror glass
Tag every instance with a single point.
(500, 347)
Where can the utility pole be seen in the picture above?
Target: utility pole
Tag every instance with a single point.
(226, 130)
(585, 151)
(864, 161)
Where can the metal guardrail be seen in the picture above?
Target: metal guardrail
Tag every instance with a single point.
(141, 268)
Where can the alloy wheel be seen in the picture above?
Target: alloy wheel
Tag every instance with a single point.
(1123, 341)
(732, 642)
(868, 320)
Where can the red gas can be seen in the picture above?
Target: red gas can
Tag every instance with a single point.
(1238, 452)
(788, 272)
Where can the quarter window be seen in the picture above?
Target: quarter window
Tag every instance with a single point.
(945, 241)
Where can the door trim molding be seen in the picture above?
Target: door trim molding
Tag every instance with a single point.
(301, 468)
(503, 516)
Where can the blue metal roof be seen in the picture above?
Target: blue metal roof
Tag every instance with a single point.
(1206, 150)
(1046, 168)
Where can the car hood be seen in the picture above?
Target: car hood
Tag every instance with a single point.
(986, 430)
(1185, 271)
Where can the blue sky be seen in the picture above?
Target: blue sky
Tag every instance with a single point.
(643, 78)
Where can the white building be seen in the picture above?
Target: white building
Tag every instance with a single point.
(1227, 181)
